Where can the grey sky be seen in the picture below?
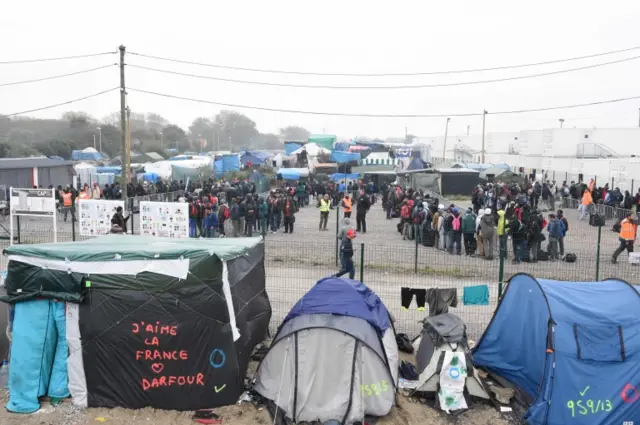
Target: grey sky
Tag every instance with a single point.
(331, 36)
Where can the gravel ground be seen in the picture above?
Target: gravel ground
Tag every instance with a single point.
(294, 262)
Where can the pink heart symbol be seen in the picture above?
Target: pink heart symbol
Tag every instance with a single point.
(157, 367)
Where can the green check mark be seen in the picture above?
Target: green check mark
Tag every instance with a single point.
(583, 392)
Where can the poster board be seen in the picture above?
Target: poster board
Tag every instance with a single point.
(33, 203)
(94, 216)
(164, 219)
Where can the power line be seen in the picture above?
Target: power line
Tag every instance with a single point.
(362, 115)
(60, 58)
(60, 104)
(54, 77)
(401, 87)
(460, 71)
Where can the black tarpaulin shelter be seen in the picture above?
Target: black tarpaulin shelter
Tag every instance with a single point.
(166, 323)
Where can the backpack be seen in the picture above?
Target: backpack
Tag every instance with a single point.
(226, 214)
(193, 210)
(456, 223)
(570, 258)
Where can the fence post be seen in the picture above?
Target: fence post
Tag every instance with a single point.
(554, 176)
(501, 267)
(337, 230)
(131, 214)
(18, 232)
(362, 262)
(632, 184)
(598, 254)
(612, 182)
(566, 177)
(73, 228)
(415, 265)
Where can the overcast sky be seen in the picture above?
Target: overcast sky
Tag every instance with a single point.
(329, 37)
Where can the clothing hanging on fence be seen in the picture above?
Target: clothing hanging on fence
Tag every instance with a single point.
(476, 295)
(406, 296)
(441, 299)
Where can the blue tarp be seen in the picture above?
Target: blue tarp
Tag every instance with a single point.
(255, 157)
(417, 164)
(290, 147)
(342, 146)
(591, 370)
(39, 353)
(150, 177)
(341, 176)
(344, 157)
(112, 169)
(230, 163)
(219, 166)
(345, 297)
(289, 173)
(79, 155)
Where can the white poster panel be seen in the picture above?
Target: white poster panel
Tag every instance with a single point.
(34, 203)
(164, 219)
(94, 216)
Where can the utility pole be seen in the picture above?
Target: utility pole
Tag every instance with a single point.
(94, 141)
(446, 130)
(484, 118)
(561, 122)
(468, 128)
(123, 126)
(127, 155)
(100, 140)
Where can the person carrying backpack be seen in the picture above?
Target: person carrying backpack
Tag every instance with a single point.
(556, 231)
(419, 217)
(468, 232)
(487, 232)
(405, 219)
(455, 231)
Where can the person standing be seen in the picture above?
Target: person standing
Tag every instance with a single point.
(236, 218)
(488, 233)
(564, 221)
(627, 236)
(362, 207)
(346, 255)
(468, 232)
(263, 216)
(347, 205)
(419, 217)
(120, 220)
(503, 232)
(325, 205)
(289, 210)
(585, 206)
(556, 231)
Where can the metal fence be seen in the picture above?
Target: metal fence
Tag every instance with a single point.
(388, 264)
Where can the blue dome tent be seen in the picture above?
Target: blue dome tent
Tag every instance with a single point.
(573, 348)
(334, 357)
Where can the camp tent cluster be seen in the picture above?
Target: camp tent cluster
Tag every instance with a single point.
(135, 321)
(572, 348)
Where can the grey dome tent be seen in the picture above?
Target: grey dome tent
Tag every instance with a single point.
(441, 334)
(334, 357)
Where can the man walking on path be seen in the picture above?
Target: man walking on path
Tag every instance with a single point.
(627, 236)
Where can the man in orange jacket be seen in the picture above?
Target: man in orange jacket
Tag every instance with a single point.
(627, 236)
(585, 207)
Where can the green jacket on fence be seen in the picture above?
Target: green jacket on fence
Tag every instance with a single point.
(469, 223)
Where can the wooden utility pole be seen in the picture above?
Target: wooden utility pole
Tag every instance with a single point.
(123, 126)
(484, 116)
(126, 158)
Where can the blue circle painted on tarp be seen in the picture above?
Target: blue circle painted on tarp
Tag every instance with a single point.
(454, 372)
(212, 358)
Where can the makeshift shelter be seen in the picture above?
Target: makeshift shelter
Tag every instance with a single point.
(293, 173)
(254, 157)
(345, 157)
(458, 181)
(135, 321)
(312, 149)
(324, 140)
(334, 357)
(87, 154)
(443, 339)
(572, 348)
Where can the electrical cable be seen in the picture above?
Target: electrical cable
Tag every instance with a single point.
(332, 74)
(59, 104)
(60, 58)
(293, 111)
(54, 77)
(402, 87)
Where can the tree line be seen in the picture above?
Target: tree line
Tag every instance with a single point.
(151, 132)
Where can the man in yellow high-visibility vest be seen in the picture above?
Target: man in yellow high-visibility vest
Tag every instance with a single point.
(325, 205)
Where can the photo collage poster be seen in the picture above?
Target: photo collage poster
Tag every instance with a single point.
(94, 216)
(164, 219)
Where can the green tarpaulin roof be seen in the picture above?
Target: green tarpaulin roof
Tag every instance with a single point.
(133, 247)
(324, 140)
